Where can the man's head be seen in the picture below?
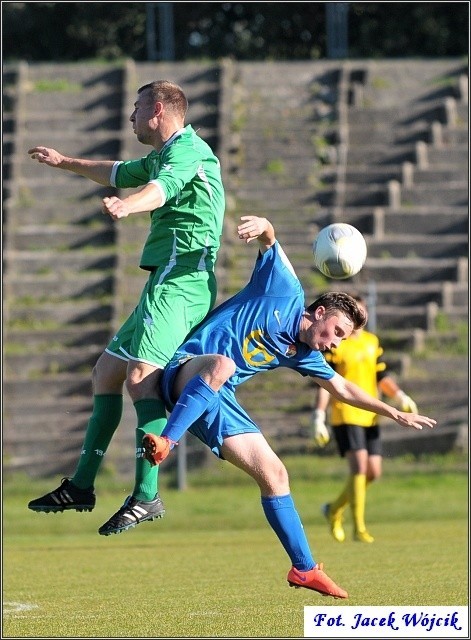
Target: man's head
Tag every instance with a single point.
(168, 93)
(159, 112)
(330, 319)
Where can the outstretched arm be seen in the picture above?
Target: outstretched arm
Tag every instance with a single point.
(97, 170)
(261, 229)
(348, 392)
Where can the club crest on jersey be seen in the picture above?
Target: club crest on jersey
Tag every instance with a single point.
(291, 351)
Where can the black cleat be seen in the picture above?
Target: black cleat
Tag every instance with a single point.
(133, 512)
(65, 498)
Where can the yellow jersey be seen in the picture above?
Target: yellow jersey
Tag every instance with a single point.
(358, 359)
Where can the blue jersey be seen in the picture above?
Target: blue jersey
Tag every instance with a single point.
(258, 328)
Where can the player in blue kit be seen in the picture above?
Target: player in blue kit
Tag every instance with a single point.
(264, 326)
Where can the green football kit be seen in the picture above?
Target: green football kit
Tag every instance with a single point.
(180, 254)
(180, 251)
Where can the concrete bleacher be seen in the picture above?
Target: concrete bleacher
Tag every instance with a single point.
(380, 145)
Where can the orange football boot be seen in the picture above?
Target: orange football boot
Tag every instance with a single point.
(156, 448)
(316, 580)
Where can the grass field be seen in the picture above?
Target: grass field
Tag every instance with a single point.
(213, 568)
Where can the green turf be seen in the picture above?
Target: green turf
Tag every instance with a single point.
(213, 568)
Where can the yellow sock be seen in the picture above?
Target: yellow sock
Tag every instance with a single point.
(337, 507)
(358, 502)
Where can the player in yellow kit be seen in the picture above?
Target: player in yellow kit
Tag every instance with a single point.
(359, 359)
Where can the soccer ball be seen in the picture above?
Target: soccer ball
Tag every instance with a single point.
(339, 251)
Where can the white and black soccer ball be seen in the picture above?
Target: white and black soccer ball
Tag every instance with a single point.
(339, 251)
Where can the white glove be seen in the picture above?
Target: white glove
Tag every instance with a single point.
(320, 433)
(406, 403)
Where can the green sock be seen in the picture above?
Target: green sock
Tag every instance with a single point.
(107, 412)
(151, 418)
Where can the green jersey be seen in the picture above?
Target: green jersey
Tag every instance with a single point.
(186, 230)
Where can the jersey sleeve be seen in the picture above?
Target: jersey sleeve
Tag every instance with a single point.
(315, 365)
(132, 173)
(274, 275)
(180, 164)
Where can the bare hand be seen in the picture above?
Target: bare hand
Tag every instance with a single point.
(252, 228)
(115, 208)
(414, 420)
(44, 155)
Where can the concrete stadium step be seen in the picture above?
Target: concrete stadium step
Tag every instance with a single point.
(50, 429)
(454, 135)
(439, 174)
(407, 114)
(56, 386)
(66, 188)
(65, 337)
(414, 269)
(400, 293)
(458, 154)
(72, 285)
(418, 245)
(290, 196)
(43, 262)
(75, 98)
(46, 409)
(54, 315)
(397, 443)
(370, 174)
(387, 134)
(365, 195)
(61, 237)
(390, 82)
(70, 121)
(410, 317)
(417, 339)
(455, 294)
(51, 211)
(449, 194)
(380, 154)
(448, 220)
(73, 359)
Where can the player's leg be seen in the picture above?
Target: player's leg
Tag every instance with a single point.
(77, 493)
(375, 454)
(358, 463)
(171, 304)
(372, 471)
(108, 378)
(375, 468)
(145, 503)
(334, 511)
(196, 384)
(175, 301)
(252, 453)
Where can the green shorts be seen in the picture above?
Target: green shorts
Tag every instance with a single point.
(171, 304)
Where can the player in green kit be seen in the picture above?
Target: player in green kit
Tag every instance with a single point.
(183, 191)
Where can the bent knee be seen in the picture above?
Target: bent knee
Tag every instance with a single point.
(143, 382)
(276, 481)
(221, 369)
(109, 374)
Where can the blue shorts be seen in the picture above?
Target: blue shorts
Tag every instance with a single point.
(223, 418)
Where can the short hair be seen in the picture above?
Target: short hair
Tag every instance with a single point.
(335, 301)
(169, 93)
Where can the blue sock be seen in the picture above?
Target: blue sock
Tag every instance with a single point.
(193, 401)
(286, 523)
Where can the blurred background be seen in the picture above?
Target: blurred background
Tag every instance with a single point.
(319, 112)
